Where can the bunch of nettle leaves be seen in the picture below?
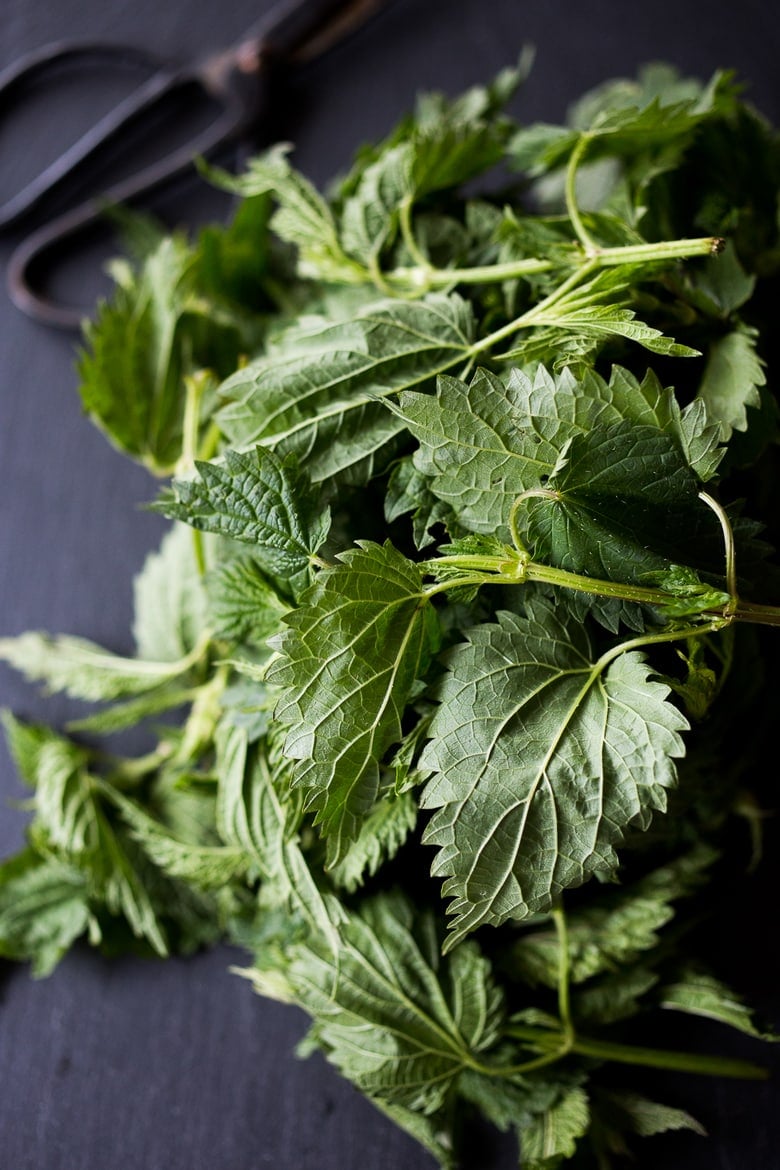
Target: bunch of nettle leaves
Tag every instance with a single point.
(467, 493)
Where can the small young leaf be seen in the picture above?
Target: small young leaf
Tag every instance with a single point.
(43, 910)
(259, 499)
(732, 377)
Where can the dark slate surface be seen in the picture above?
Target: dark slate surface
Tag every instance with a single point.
(137, 1065)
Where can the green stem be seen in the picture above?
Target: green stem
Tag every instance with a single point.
(423, 277)
(728, 540)
(712, 1066)
(424, 268)
(515, 570)
(580, 230)
(693, 1062)
(564, 1002)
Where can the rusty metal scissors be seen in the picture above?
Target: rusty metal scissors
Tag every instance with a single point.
(293, 32)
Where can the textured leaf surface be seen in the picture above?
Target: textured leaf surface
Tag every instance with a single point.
(396, 1019)
(541, 758)
(259, 499)
(347, 665)
(315, 396)
(483, 444)
(83, 669)
(243, 604)
(625, 503)
(701, 994)
(551, 1139)
(43, 909)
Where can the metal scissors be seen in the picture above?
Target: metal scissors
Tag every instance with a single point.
(293, 32)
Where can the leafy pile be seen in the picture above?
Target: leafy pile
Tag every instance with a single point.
(446, 655)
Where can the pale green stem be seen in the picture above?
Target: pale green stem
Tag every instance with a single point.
(424, 277)
(580, 230)
(693, 1062)
(728, 541)
(413, 248)
(564, 1002)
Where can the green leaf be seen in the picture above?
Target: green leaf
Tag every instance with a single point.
(25, 741)
(443, 145)
(541, 757)
(243, 604)
(700, 994)
(207, 867)
(317, 395)
(549, 1140)
(254, 816)
(259, 499)
(302, 217)
(84, 670)
(646, 1118)
(381, 835)
(615, 927)
(170, 603)
(612, 997)
(483, 444)
(43, 910)
(731, 380)
(623, 503)
(347, 665)
(139, 348)
(396, 1019)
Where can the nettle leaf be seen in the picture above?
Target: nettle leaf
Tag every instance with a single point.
(347, 664)
(142, 344)
(256, 817)
(483, 444)
(318, 395)
(394, 1017)
(613, 997)
(381, 835)
(622, 504)
(700, 994)
(85, 670)
(302, 217)
(442, 145)
(550, 1139)
(71, 815)
(170, 602)
(244, 606)
(731, 380)
(634, 1114)
(207, 867)
(616, 927)
(43, 909)
(257, 498)
(540, 758)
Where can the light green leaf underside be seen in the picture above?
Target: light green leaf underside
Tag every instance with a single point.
(396, 1019)
(540, 759)
(551, 1138)
(170, 604)
(85, 670)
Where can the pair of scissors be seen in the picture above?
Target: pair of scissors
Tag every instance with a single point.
(294, 32)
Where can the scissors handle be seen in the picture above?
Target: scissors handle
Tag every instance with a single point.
(294, 31)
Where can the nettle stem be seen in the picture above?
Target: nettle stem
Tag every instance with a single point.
(518, 569)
